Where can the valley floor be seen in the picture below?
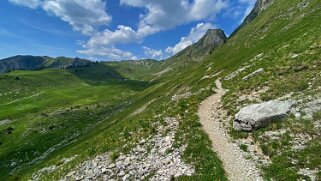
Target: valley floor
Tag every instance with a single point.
(235, 164)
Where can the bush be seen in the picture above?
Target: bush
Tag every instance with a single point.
(92, 150)
(126, 133)
(10, 130)
(244, 147)
(114, 156)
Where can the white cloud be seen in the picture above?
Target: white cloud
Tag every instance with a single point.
(196, 34)
(103, 44)
(152, 53)
(110, 53)
(123, 34)
(83, 15)
(86, 16)
(27, 3)
(166, 14)
(160, 16)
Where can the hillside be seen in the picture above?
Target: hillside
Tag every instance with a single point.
(119, 120)
(35, 63)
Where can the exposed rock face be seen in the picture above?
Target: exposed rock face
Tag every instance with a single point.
(260, 115)
(212, 38)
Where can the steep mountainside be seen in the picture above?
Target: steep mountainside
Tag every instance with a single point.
(260, 6)
(212, 39)
(63, 124)
(36, 63)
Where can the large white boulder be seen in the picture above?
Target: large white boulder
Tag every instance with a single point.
(261, 115)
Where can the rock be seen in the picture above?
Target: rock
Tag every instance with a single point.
(126, 177)
(143, 141)
(6, 121)
(259, 71)
(181, 96)
(295, 56)
(236, 73)
(80, 177)
(260, 115)
(71, 173)
(121, 173)
(103, 170)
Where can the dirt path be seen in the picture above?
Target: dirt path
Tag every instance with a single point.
(236, 166)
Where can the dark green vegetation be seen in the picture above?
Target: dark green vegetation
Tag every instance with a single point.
(36, 63)
(55, 114)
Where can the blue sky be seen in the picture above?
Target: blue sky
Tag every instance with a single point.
(112, 29)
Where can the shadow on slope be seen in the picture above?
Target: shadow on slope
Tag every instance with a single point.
(100, 74)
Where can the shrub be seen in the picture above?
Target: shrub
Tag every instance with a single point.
(92, 150)
(10, 130)
(114, 156)
(126, 133)
(244, 147)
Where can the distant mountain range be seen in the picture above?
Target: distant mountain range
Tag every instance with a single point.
(194, 53)
(28, 62)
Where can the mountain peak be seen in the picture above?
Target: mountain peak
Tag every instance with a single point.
(212, 39)
(214, 32)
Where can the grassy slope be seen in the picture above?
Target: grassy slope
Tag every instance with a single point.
(283, 30)
(54, 107)
(101, 125)
(264, 35)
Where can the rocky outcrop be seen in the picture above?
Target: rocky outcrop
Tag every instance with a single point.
(212, 38)
(260, 115)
